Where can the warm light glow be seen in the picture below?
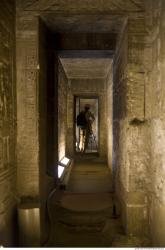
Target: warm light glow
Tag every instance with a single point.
(1, 246)
(60, 170)
(29, 224)
(65, 161)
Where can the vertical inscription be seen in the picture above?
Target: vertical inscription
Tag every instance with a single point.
(6, 97)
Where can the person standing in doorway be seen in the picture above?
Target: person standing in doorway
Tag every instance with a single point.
(85, 120)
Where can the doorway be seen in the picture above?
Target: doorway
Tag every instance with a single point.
(93, 103)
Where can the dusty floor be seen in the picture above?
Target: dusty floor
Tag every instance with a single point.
(83, 214)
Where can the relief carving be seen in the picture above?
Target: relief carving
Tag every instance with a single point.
(25, 24)
(5, 94)
(31, 60)
(6, 99)
(31, 77)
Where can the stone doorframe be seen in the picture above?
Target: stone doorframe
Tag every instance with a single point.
(128, 121)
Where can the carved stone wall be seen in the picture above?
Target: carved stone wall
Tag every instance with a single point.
(62, 112)
(7, 123)
(131, 130)
(155, 103)
(109, 102)
(27, 106)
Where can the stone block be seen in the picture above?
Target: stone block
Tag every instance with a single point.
(29, 225)
(157, 223)
(137, 220)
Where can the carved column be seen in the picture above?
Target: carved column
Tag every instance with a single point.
(27, 106)
(131, 130)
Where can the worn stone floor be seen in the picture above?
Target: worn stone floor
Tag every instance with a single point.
(83, 214)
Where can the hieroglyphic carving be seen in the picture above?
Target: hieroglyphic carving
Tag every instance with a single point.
(6, 95)
(27, 154)
(31, 88)
(7, 113)
(31, 61)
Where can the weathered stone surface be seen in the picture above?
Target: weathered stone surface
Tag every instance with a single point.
(87, 5)
(157, 223)
(158, 174)
(27, 112)
(62, 112)
(7, 122)
(131, 133)
(86, 67)
(83, 23)
(155, 23)
(109, 110)
(138, 214)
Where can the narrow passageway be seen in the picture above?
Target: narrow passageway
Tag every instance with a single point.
(104, 59)
(82, 215)
(86, 214)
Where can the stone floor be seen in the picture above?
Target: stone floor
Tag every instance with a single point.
(84, 214)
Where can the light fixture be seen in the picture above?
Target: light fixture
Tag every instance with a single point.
(62, 164)
(60, 170)
(65, 161)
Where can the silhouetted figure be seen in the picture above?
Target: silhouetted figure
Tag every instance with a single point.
(84, 121)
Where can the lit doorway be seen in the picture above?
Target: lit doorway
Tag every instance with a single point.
(92, 145)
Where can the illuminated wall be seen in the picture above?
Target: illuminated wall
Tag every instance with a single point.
(62, 112)
(28, 112)
(109, 105)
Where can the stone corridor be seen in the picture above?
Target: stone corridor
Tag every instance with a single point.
(56, 57)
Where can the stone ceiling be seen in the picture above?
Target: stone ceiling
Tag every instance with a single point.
(88, 68)
(83, 16)
(83, 23)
